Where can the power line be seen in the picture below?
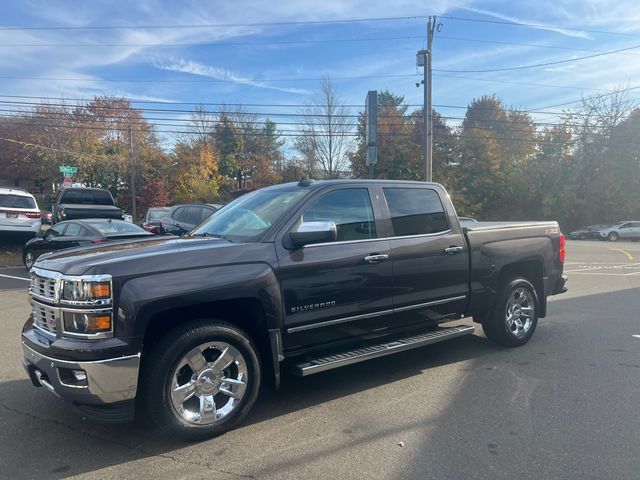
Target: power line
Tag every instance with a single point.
(545, 64)
(538, 25)
(511, 82)
(218, 25)
(533, 45)
(214, 44)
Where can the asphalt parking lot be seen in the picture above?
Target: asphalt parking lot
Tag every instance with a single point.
(563, 406)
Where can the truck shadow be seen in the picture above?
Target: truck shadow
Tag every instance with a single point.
(42, 437)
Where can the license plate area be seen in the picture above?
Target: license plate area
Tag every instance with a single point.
(12, 214)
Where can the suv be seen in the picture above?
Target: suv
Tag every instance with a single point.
(19, 212)
(621, 230)
(183, 218)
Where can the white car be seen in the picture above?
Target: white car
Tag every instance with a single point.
(19, 211)
(621, 230)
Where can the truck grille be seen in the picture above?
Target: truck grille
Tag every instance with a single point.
(44, 287)
(45, 317)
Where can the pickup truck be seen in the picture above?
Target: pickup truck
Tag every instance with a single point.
(77, 203)
(305, 276)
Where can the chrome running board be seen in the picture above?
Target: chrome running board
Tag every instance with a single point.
(349, 357)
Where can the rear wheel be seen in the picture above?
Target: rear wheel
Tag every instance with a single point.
(514, 318)
(613, 237)
(201, 379)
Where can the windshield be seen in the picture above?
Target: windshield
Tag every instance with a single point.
(249, 217)
(157, 214)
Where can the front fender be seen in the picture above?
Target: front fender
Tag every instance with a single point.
(144, 297)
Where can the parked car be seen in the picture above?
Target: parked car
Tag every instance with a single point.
(19, 212)
(77, 203)
(183, 218)
(585, 233)
(309, 276)
(621, 230)
(77, 233)
(153, 218)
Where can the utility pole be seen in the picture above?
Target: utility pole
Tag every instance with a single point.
(424, 60)
(132, 167)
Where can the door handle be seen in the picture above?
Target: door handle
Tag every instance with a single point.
(375, 258)
(454, 249)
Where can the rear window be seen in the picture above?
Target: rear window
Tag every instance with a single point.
(17, 201)
(415, 211)
(87, 197)
(157, 215)
(115, 227)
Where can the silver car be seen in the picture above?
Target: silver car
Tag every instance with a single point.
(19, 211)
(622, 230)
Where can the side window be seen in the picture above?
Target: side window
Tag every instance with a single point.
(206, 213)
(73, 230)
(178, 214)
(625, 225)
(57, 230)
(350, 209)
(193, 215)
(415, 211)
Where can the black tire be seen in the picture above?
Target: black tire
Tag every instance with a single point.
(159, 372)
(28, 259)
(496, 325)
(613, 237)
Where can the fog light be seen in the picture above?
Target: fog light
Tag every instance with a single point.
(80, 375)
(73, 378)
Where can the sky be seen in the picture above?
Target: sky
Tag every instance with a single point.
(275, 53)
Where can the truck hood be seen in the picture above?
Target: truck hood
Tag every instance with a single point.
(157, 253)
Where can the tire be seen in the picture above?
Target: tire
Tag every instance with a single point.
(613, 237)
(582, 236)
(185, 397)
(501, 325)
(28, 259)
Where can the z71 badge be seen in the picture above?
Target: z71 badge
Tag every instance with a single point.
(312, 306)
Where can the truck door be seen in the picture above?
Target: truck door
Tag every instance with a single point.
(428, 251)
(338, 289)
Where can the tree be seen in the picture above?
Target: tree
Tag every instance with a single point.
(325, 140)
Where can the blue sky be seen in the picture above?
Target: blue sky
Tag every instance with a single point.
(215, 64)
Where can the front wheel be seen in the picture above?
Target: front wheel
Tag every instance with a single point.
(201, 379)
(515, 315)
(28, 259)
(613, 237)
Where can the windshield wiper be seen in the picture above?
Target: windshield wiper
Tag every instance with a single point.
(210, 235)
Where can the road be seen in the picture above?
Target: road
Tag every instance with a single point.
(563, 406)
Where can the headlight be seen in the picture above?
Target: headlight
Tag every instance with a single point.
(86, 292)
(87, 323)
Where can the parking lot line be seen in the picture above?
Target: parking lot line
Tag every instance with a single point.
(629, 256)
(15, 278)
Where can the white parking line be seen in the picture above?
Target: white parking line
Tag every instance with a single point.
(15, 278)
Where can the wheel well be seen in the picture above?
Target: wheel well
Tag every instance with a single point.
(246, 313)
(532, 271)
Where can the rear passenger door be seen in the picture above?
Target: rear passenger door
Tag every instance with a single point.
(428, 251)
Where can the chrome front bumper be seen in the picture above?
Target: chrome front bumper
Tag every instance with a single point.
(107, 381)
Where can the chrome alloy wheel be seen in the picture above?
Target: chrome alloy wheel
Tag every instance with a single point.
(29, 260)
(520, 312)
(208, 383)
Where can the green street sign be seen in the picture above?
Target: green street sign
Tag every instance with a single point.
(67, 170)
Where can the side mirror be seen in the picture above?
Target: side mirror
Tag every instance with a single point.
(313, 232)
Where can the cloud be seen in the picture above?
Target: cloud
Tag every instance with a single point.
(200, 69)
(508, 18)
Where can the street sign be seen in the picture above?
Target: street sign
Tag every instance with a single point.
(67, 182)
(68, 171)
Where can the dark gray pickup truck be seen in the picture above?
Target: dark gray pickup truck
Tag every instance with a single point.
(77, 203)
(308, 276)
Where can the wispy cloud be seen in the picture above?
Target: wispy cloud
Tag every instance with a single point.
(200, 69)
(508, 18)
